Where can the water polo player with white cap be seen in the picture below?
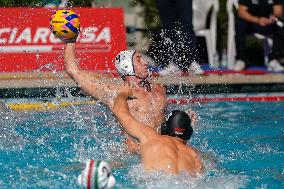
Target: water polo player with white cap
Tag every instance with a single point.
(124, 63)
(96, 175)
(150, 100)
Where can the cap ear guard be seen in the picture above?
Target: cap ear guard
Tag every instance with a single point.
(124, 63)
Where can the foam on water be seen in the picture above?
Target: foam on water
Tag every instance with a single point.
(9, 138)
(159, 179)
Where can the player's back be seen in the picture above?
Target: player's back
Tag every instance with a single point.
(170, 155)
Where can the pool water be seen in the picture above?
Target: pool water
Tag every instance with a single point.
(242, 144)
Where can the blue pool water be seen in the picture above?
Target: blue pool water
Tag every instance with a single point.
(242, 145)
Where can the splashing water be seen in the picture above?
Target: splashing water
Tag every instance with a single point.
(9, 139)
(239, 149)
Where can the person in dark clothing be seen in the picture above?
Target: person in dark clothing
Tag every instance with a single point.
(178, 36)
(259, 16)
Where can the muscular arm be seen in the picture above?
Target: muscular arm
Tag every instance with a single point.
(92, 86)
(128, 122)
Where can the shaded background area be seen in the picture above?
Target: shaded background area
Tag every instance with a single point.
(150, 26)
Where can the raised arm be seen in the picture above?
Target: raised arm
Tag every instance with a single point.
(127, 121)
(92, 86)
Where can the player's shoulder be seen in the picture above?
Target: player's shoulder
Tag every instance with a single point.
(186, 148)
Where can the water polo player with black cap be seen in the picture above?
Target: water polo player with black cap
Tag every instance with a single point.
(167, 152)
(178, 124)
(149, 103)
(98, 174)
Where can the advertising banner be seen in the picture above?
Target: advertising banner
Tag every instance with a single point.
(27, 44)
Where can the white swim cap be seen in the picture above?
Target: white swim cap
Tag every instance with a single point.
(96, 175)
(124, 63)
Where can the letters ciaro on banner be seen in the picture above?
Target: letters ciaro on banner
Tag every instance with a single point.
(26, 43)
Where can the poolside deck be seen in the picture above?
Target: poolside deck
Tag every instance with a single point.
(23, 84)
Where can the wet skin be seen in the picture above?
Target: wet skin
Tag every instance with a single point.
(169, 154)
(147, 107)
(158, 152)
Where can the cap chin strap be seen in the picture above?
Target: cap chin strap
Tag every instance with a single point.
(144, 83)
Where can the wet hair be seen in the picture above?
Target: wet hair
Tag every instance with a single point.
(178, 125)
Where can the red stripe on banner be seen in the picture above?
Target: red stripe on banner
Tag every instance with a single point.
(220, 99)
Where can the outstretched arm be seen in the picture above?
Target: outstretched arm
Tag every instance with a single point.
(127, 121)
(92, 86)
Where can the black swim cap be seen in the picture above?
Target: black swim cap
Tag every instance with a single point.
(178, 125)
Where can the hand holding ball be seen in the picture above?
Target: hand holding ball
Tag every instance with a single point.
(65, 25)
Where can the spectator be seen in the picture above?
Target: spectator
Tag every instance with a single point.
(178, 36)
(55, 3)
(259, 16)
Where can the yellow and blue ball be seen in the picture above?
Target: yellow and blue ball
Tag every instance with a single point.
(64, 24)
